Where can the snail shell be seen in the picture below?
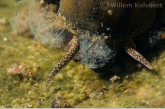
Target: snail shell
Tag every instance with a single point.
(94, 16)
(84, 13)
(126, 23)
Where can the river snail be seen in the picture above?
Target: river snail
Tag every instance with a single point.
(93, 29)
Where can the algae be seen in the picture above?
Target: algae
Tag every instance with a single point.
(76, 83)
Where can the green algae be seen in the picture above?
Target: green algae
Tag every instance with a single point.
(79, 85)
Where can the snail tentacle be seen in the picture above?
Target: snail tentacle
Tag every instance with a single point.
(129, 47)
(74, 47)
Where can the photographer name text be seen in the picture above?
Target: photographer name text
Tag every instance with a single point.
(135, 5)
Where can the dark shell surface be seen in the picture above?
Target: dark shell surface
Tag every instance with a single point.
(122, 24)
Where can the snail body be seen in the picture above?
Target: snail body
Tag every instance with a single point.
(99, 30)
